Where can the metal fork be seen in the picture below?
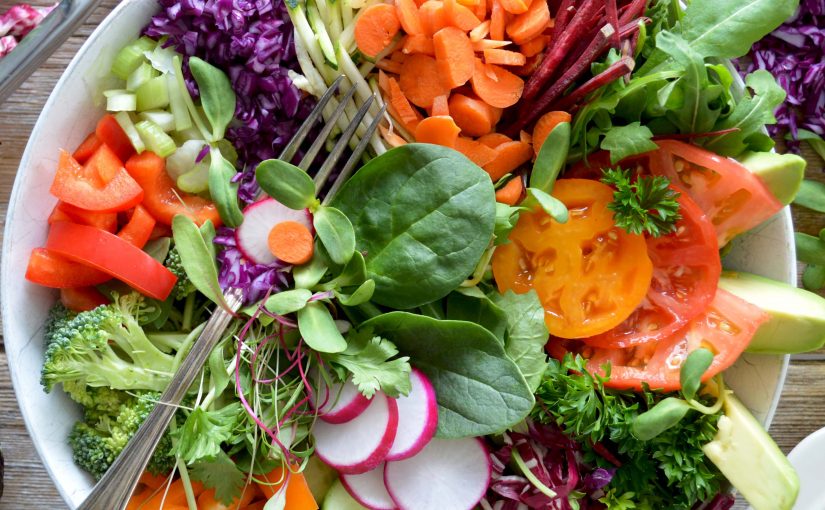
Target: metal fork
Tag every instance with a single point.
(112, 492)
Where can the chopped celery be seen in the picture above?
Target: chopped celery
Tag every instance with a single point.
(321, 35)
(153, 94)
(196, 180)
(162, 58)
(128, 127)
(184, 158)
(177, 105)
(164, 119)
(131, 56)
(156, 140)
(120, 101)
(190, 133)
(141, 75)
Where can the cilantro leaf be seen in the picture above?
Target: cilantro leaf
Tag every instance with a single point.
(204, 431)
(220, 474)
(646, 204)
(368, 358)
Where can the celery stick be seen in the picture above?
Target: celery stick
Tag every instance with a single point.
(321, 35)
(177, 105)
(120, 101)
(165, 120)
(128, 127)
(131, 56)
(155, 139)
(153, 94)
(141, 75)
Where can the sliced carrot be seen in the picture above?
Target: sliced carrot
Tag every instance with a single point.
(401, 109)
(207, 501)
(432, 16)
(510, 193)
(530, 66)
(462, 17)
(258, 505)
(82, 299)
(495, 85)
(493, 140)
(480, 32)
(545, 125)
(391, 137)
(489, 44)
(530, 24)
(525, 137)
(515, 6)
(498, 21)
(480, 9)
(475, 151)
(440, 107)
(449, 10)
(375, 28)
(420, 80)
(291, 242)
(407, 12)
(511, 155)
(469, 3)
(440, 130)
(298, 495)
(418, 43)
(398, 56)
(504, 57)
(153, 481)
(454, 57)
(85, 150)
(473, 116)
(383, 82)
(534, 46)
(139, 497)
(391, 66)
(162, 498)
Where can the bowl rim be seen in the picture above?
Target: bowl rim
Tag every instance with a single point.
(17, 189)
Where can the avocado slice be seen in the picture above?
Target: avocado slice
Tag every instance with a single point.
(781, 173)
(319, 477)
(797, 316)
(339, 499)
(751, 461)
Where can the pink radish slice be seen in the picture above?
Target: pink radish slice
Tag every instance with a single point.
(417, 418)
(362, 443)
(342, 404)
(368, 489)
(258, 220)
(447, 473)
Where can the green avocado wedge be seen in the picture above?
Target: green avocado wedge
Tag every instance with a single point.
(339, 499)
(751, 461)
(781, 173)
(797, 316)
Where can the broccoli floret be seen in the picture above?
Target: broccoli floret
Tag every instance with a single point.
(184, 286)
(107, 347)
(107, 428)
(58, 316)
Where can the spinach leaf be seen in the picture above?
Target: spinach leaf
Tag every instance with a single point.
(551, 159)
(478, 388)
(318, 329)
(478, 310)
(527, 333)
(217, 96)
(197, 258)
(423, 215)
(286, 183)
(624, 141)
(335, 232)
(223, 191)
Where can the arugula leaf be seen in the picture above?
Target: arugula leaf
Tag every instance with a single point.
(203, 432)
(647, 204)
(220, 474)
(368, 358)
(624, 141)
(526, 333)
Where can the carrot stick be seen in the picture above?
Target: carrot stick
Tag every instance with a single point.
(566, 10)
(407, 13)
(418, 43)
(511, 155)
(612, 11)
(493, 140)
(545, 125)
(498, 20)
(496, 86)
(632, 11)
(475, 151)
(510, 193)
(440, 130)
(478, 33)
(487, 44)
(375, 28)
(432, 16)
(504, 57)
(613, 72)
(420, 81)
(561, 45)
(473, 116)
(390, 66)
(534, 46)
(291, 242)
(440, 107)
(454, 57)
(401, 109)
(481, 9)
(391, 137)
(530, 24)
(516, 6)
(383, 82)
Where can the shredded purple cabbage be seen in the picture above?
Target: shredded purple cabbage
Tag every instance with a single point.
(17, 22)
(795, 54)
(255, 280)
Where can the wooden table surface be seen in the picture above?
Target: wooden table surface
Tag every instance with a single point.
(801, 411)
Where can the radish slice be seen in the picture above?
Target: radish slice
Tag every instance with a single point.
(417, 418)
(362, 443)
(342, 404)
(258, 220)
(368, 489)
(447, 473)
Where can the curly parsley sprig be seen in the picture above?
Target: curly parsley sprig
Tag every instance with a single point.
(646, 204)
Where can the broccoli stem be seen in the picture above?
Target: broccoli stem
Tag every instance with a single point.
(188, 312)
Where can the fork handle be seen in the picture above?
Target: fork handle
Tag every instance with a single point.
(113, 491)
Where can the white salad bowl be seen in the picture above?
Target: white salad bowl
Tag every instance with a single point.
(71, 112)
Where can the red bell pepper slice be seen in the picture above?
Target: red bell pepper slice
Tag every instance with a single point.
(112, 255)
(110, 133)
(76, 185)
(104, 163)
(85, 150)
(81, 299)
(139, 228)
(67, 212)
(51, 270)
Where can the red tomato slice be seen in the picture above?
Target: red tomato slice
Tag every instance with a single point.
(112, 255)
(81, 299)
(76, 185)
(725, 329)
(109, 132)
(732, 197)
(686, 270)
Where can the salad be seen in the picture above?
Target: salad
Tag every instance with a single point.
(516, 302)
